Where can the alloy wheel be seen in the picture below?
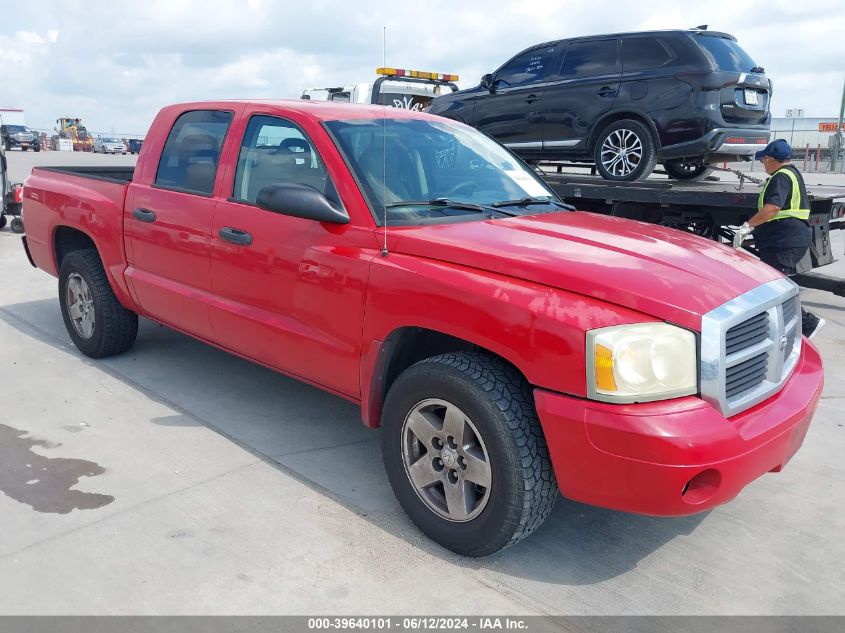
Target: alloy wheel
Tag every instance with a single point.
(621, 152)
(80, 305)
(446, 460)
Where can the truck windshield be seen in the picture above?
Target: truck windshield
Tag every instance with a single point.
(411, 169)
(726, 54)
(14, 129)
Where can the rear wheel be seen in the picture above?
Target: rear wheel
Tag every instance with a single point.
(2, 221)
(624, 151)
(96, 322)
(16, 225)
(465, 453)
(684, 170)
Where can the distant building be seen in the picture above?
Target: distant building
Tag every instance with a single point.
(801, 132)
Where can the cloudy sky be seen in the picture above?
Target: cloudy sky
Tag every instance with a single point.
(116, 63)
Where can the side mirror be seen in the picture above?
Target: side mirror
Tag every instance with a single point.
(487, 82)
(299, 201)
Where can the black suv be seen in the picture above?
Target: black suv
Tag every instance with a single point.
(18, 136)
(625, 102)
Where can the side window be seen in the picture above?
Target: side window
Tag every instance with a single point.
(643, 53)
(529, 67)
(192, 151)
(588, 59)
(275, 151)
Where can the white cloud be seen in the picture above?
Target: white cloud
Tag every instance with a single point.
(116, 63)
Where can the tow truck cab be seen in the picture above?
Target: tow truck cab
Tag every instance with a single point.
(396, 87)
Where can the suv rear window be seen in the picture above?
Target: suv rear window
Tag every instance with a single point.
(726, 54)
(588, 59)
(642, 53)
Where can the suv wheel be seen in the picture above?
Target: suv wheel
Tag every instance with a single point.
(682, 170)
(465, 454)
(625, 151)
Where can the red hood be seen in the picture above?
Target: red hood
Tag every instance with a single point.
(659, 271)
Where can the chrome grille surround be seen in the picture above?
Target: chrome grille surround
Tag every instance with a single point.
(781, 347)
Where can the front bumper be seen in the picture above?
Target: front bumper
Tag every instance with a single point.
(675, 457)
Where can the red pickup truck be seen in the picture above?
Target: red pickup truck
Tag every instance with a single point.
(508, 346)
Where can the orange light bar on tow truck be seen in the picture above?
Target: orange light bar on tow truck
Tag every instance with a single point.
(416, 74)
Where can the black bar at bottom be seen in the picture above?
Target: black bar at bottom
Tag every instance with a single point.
(821, 282)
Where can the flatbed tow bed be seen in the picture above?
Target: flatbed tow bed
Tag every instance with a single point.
(711, 208)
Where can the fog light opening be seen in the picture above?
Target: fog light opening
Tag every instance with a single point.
(702, 487)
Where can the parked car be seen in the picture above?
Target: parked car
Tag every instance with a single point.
(109, 145)
(19, 136)
(624, 102)
(506, 344)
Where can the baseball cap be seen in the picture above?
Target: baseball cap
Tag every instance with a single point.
(778, 149)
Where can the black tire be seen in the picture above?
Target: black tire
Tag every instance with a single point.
(37, 148)
(16, 225)
(115, 327)
(681, 170)
(637, 136)
(2, 221)
(498, 402)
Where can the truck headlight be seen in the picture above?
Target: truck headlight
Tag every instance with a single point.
(641, 362)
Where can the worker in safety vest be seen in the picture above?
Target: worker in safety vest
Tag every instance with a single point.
(781, 225)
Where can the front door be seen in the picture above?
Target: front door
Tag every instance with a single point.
(582, 91)
(513, 112)
(168, 224)
(287, 291)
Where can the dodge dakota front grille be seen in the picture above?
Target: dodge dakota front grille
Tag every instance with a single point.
(747, 333)
(747, 375)
(750, 346)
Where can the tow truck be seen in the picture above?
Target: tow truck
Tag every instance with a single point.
(710, 208)
(396, 87)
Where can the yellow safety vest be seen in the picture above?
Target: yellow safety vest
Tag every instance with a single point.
(794, 210)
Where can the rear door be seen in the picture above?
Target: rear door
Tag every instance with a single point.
(584, 88)
(513, 112)
(168, 223)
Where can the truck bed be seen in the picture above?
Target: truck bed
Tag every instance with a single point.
(120, 174)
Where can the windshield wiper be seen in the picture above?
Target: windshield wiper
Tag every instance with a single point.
(454, 204)
(524, 202)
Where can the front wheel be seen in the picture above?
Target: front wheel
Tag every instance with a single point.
(683, 170)
(624, 151)
(465, 453)
(96, 322)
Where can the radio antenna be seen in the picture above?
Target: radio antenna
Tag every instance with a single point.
(384, 154)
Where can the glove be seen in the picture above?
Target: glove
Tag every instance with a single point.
(741, 233)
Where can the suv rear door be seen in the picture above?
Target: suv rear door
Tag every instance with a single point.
(512, 112)
(583, 89)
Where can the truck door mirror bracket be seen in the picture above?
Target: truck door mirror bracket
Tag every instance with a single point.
(488, 83)
(300, 201)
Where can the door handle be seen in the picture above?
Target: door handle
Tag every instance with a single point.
(531, 98)
(144, 215)
(235, 236)
(605, 91)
